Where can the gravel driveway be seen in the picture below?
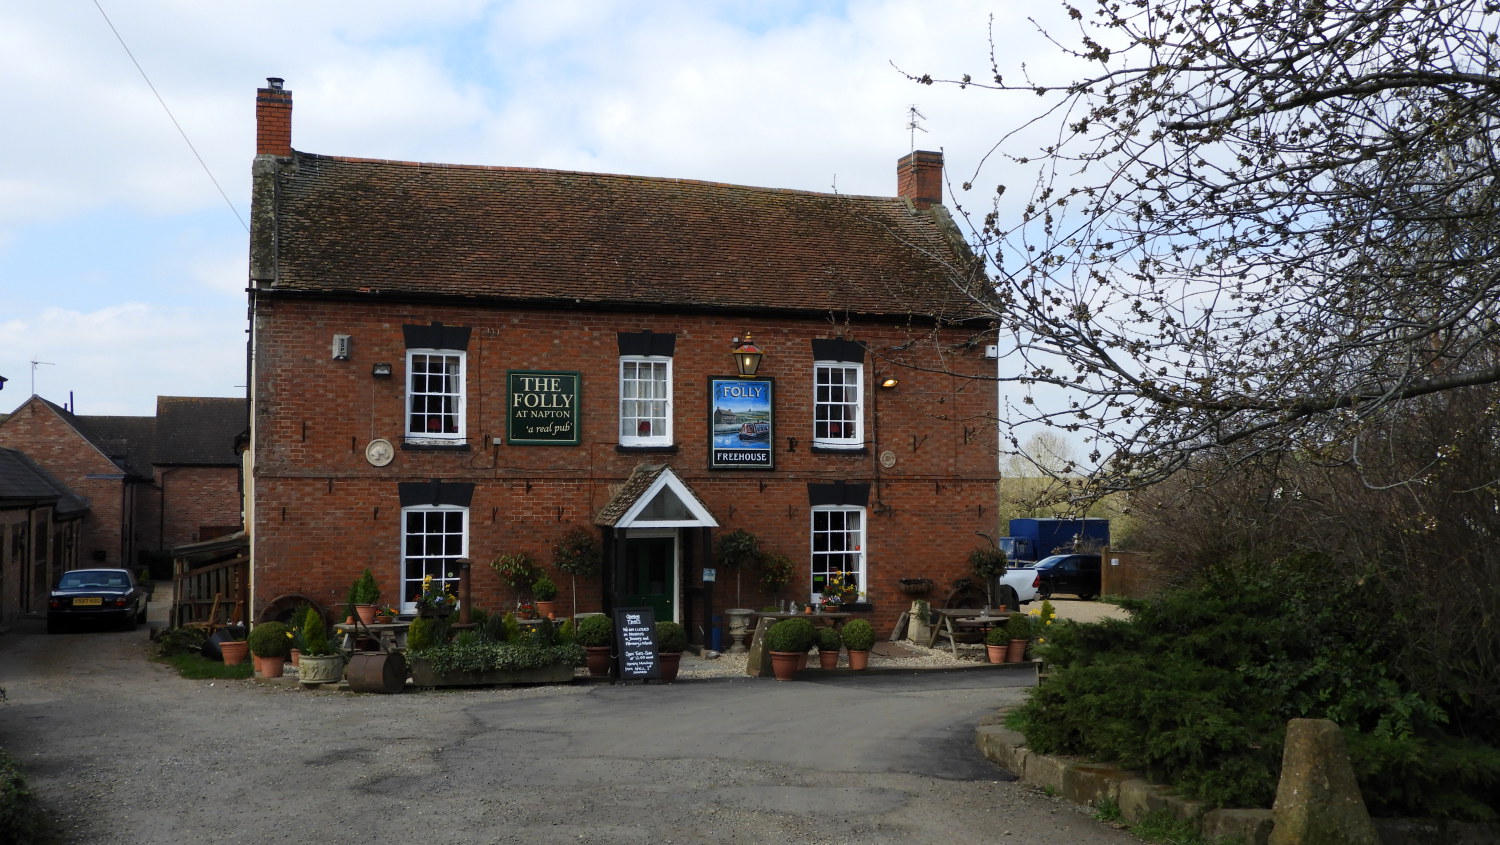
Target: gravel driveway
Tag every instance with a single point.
(125, 752)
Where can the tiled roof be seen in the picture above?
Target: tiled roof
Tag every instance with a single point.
(198, 431)
(549, 237)
(640, 480)
(126, 441)
(23, 480)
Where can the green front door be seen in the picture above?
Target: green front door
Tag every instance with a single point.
(650, 570)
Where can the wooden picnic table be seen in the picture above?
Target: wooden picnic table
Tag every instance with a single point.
(390, 635)
(962, 623)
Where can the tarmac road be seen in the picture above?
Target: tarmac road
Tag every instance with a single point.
(126, 752)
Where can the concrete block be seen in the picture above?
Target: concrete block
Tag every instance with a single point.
(1091, 783)
(1138, 797)
(1186, 809)
(1045, 771)
(758, 662)
(1251, 827)
(1003, 747)
(1317, 799)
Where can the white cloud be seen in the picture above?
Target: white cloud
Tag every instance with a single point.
(118, 359)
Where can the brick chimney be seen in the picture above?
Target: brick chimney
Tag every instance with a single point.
(273, 119)
(919, 178)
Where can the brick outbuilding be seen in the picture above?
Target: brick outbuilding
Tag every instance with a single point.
(457, 362)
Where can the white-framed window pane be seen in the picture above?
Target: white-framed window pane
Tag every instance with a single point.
(838, 542)
(645, 401)
(434, 395)
(837, 404)
(434, 539)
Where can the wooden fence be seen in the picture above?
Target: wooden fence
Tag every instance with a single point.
(211, 583)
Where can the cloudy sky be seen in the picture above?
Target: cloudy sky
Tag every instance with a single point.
(123, 256)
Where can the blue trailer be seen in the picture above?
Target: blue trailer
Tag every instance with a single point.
(1031, 540)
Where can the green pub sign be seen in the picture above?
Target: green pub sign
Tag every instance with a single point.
(542, 408)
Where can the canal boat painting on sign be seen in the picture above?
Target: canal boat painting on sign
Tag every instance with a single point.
(741, 424)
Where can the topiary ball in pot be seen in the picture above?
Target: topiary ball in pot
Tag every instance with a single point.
(544, 588)
(670, 637)
(807, 633)
(271, 639)
(1018, 627)
(829, 639)
(859, 635)
(997, 636)
(594, 631)
(785, 636)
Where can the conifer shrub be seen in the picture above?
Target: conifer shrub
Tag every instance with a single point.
(314, 631)
(1196, 687)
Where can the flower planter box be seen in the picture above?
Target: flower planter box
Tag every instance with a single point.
(423, 675)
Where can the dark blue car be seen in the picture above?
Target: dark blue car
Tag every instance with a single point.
(110, 596)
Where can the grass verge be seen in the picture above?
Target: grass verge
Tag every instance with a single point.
(199, 668)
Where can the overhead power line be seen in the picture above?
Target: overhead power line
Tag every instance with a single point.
(171, 117)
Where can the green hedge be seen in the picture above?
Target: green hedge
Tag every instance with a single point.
(473, 654)
(1196, 689)
(22, 821)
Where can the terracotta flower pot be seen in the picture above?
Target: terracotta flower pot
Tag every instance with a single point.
(546, 608)
(859, 659)
(1016, 651)
(828, 659)
(297, 657)
(366, 613)
(270, 667)
(234, 652)
(670, 662)
(597, 660)
(784, 664)
(996, 652)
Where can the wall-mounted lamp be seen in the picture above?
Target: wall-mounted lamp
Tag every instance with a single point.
(889, 382)
(746, 356)
(381, 370)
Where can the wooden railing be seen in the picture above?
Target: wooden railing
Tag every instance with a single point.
(212, 595)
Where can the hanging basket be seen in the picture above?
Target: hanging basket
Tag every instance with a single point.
(915, 586)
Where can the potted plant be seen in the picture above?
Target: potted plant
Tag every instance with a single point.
(436, 598)
(594, 634)
(996, 640)
(321, 662)
(270, 642)
(516, 571)
(544, 589)
(671, 640)
(986, 564)
(775, 571)
(787, 643)
(1018, 631)
(840, 589)
(366, 596)
(232, 647)
(737, 550)
(578, 553)
(859, 638)
(829, 643)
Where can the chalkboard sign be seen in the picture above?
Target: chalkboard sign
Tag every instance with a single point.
(635, 642)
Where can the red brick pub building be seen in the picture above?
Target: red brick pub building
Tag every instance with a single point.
(456, 362)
